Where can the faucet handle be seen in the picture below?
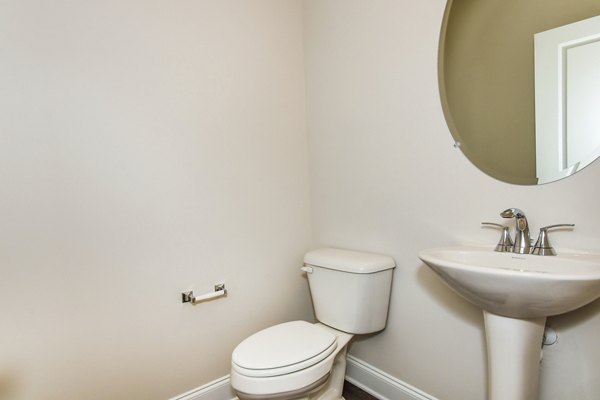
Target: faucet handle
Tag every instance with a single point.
(505, 244)
(542, 246)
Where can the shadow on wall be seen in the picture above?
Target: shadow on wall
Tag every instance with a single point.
(356, 339)
(576, 317)
(9, 384)
(307, 286)
(447, 298)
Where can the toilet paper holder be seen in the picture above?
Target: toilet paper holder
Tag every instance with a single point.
(188, 297)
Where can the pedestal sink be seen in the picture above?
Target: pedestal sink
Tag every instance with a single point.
(516, 292)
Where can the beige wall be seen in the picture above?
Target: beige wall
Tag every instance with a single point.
(386, 178)
(146, 148)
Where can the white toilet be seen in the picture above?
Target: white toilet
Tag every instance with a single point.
(299, 360)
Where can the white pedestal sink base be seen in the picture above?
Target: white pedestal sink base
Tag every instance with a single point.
(513, 352)
(525, 287)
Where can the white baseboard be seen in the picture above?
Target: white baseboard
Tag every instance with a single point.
(380, 384)
(358, 372)
(219, 389)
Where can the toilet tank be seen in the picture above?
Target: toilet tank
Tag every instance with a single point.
(350, 290)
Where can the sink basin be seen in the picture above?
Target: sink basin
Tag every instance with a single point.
(516, 285)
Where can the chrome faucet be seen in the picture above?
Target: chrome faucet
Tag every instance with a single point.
(542, 246)
(522, 241)
(505, 244)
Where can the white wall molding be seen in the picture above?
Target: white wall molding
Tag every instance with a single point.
(379, 384)
(359, 373)
(219, 389)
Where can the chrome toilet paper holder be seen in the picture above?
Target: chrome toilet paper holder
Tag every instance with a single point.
(188, 297)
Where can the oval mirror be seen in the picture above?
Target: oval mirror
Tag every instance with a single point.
(516, 125)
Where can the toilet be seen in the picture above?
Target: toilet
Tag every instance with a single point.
(350, 291)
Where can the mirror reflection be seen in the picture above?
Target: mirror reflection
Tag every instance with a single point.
(567, 95)
(489, 93)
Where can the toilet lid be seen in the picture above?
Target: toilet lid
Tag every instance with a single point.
(283, 348)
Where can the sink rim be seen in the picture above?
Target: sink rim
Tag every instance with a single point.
(585, 259)
(517, 292)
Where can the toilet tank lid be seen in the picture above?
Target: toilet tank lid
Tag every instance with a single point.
(349, 261)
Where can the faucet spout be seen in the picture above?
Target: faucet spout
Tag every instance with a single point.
(522, 243)
(512, 213)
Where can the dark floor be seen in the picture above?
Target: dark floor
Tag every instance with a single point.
(351, 392)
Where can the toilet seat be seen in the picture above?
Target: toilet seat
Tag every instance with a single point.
(276, 381)
(283, 349)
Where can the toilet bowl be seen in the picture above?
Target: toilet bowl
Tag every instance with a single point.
(293, 360)
(301, 360)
